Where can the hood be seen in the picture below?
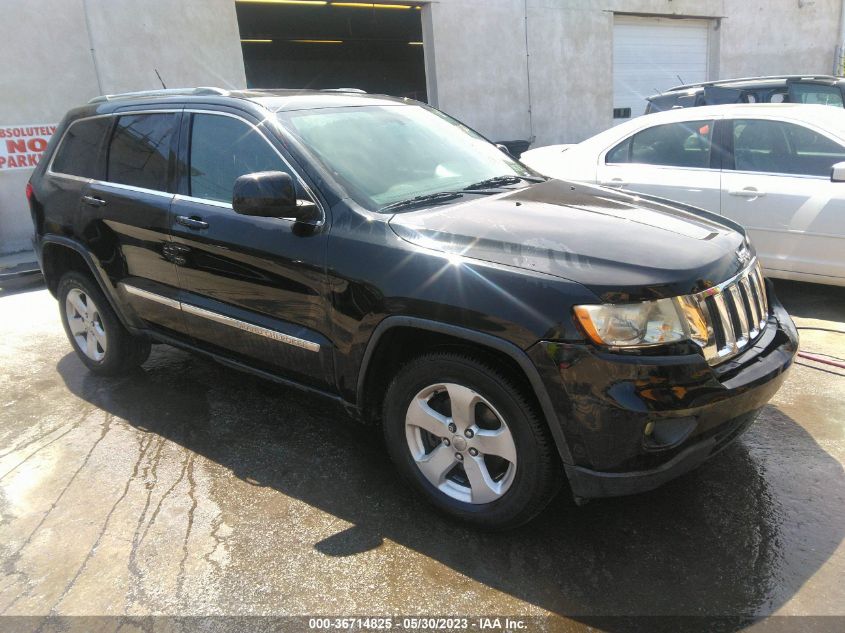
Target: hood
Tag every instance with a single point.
(622, 247)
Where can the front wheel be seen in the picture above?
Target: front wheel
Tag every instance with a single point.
(94, 331)
(467, 437)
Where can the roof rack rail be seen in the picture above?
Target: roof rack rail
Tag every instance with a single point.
(165, 92)
(355, 90)
(702, 84)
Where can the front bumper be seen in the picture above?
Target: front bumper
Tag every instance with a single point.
(632, 423)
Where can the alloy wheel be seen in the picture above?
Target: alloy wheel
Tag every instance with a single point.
(460, 443)
(86, 324)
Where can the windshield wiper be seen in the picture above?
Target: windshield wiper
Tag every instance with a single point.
(500, 181)
(430, 197)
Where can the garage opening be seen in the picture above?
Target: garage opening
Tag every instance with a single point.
(376, 47)
(651, 55)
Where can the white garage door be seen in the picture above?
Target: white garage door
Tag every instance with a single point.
(653, 54)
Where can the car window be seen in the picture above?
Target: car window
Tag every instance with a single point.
(139, 153)
(222, 150)
(815, 93)
(685, 144)
(79, 150)
(385, 154)
(783, 148)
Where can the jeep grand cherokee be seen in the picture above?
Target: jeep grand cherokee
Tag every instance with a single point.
(507, 332)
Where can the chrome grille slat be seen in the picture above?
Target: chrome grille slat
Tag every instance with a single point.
(764, 300)
(742, 316)
(758, 296)
(727, 325)
(751, 308)
(736, 312)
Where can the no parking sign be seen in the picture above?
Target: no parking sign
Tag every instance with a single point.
(22, 145)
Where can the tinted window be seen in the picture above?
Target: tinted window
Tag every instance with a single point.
(685, 144)
(783, 148)
(80, 148)
(619, 154)
(814, 93)
(139, 153)
(222, 149)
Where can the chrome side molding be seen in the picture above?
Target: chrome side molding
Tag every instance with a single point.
(221, 318)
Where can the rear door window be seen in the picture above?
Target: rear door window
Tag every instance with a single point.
(79, 150)
(140, 150)
(684, 144)
(778, 147)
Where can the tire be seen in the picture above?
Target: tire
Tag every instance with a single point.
(511, 444)
(93, 329)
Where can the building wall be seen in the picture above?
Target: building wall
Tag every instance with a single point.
(802, 39)
(49, 66)
(480, 50)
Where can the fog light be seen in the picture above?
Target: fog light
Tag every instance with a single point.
(661, 434)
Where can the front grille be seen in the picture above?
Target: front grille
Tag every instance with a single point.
(735, 313)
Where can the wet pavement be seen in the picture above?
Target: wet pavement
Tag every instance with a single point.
(188, 488)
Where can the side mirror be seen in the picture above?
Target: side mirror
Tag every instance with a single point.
(270, 194)
(837, 173)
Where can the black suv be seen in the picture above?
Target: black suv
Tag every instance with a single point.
(509, 333)
(816, 89)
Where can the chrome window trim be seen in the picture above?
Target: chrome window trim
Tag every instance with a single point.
(746, 172)
(214, 203)
(664, 166)
(244, 326)
(293, 171)
(118, 185)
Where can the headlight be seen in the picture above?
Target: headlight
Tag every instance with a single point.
(634, 324)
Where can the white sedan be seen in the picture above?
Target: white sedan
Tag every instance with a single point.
(774, 168)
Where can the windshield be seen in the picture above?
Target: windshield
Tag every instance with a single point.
(386, 154)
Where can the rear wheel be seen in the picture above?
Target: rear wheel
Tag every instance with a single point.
(94, 331)
(467, 438)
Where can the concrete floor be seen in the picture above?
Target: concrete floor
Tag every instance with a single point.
(191, 489)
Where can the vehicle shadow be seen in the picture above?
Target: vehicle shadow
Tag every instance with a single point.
(13, 285)
(737, 537)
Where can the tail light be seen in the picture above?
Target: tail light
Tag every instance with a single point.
(29, 191)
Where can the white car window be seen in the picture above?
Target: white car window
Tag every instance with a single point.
(683, 144)
(778, 147)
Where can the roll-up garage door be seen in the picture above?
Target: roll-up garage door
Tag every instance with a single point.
(653, 54)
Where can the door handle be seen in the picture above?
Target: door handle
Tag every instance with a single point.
(94, 201)
(192, 222)
(614, 182)
(748, 192)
